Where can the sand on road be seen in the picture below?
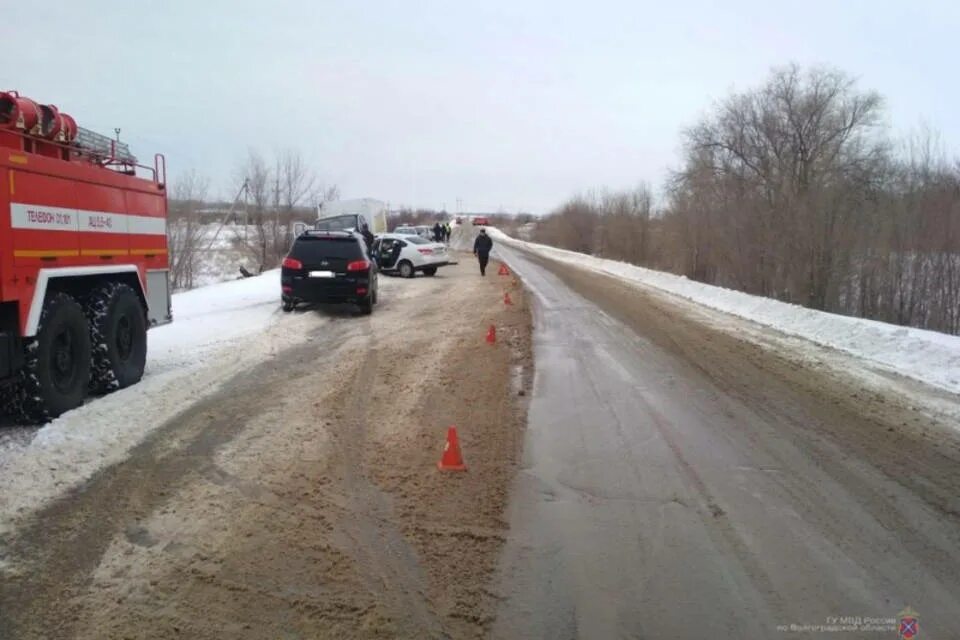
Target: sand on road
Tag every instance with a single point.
(302, 500)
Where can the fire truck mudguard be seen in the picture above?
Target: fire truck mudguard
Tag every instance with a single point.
(83, 259)
(64, 277)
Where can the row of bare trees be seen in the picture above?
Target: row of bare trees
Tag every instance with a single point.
(271, 195)
(794, 191)
(278, 193)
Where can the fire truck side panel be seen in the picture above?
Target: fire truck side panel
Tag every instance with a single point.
(69, 219)
(43, 218)
(148, 229)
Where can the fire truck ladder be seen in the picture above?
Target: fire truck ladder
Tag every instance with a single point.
(103, 148)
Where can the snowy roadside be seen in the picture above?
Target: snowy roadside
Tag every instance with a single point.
(926, 356)
(218, 331)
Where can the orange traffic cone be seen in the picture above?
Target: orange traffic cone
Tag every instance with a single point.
(452, 459)
(492, 334)
(503, 270)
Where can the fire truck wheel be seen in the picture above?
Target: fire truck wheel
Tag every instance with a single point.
(57, 362)
(118, 335)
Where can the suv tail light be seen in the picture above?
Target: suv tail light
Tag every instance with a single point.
(358, 265)
(425, 252)
(292, 263)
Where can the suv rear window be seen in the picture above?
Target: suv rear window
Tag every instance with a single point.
(312, 248)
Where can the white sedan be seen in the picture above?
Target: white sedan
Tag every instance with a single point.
(403, 254)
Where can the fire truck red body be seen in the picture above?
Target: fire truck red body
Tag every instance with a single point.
(82, 229)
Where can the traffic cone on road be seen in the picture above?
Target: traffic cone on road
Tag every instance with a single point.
(452, 459)
(503, 270)
(506, 298)
(492, 334)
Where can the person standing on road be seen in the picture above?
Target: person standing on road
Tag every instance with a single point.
(481, 248)
(437, 234)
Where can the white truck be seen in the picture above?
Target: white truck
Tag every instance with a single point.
(361, 214)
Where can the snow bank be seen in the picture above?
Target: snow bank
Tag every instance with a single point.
(217, 331)
(206, 318)
(927, 356)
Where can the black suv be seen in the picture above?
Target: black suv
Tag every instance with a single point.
(329, 266)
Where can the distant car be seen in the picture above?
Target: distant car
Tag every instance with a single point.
(459, 220)
(329, 267)
(424, 231)
(480, 221)
(406, 231)
(406, 255)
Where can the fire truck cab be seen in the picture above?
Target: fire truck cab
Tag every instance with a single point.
(83, 260)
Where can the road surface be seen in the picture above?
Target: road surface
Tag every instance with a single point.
(684, 475)
(681, 482)
(300, 497)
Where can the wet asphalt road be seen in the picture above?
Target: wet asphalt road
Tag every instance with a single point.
(674, 487)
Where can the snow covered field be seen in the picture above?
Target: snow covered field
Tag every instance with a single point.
(926, 356)
(225, 256)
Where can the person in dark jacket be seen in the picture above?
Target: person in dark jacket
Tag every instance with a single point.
(481, 248)
(368, 238)
(437, 233)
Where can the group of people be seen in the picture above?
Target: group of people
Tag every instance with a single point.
(441, 232)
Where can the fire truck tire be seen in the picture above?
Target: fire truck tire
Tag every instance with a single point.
(56, 369)
(118, 337)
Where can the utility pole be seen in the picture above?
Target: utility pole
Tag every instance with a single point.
(226, 218)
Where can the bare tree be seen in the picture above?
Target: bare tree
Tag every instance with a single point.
(329, 193)
(799, 156)
(276, 198)
(296, 188)
(184, 228)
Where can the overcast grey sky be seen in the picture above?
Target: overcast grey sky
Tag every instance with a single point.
(503, 104)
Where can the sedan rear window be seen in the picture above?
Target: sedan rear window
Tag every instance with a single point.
(417, 240)
(308, 248)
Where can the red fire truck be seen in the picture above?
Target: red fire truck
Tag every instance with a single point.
(83, 260)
